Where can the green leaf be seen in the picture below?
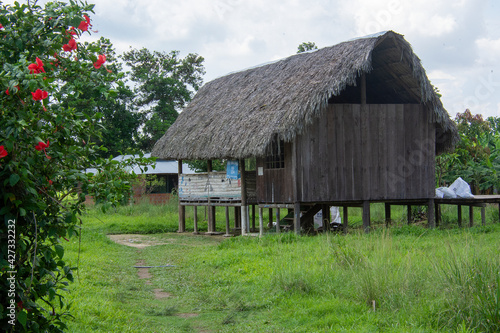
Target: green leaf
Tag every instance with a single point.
(59, 250)
(14, 178)
(22, 317)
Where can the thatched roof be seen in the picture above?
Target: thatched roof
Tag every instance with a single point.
(238, 115)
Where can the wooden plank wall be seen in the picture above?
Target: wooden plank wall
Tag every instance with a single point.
(275, 185)
(379, 152)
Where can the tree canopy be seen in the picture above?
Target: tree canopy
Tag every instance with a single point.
(164, 83)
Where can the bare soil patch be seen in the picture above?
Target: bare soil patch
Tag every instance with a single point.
(187, 315)
(143, 273)
(159, 294)
(135, 240)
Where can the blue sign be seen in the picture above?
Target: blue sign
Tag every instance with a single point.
(232, 170)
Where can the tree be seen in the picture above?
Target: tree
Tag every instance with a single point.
(306, 46)
(120, 121)
(476, 158)
(164, 84)
(45, 147)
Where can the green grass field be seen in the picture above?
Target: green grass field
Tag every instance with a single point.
(405, 278)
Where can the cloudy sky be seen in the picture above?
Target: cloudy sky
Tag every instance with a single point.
(458, 41)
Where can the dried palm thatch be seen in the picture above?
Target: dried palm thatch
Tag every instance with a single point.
(238, 115)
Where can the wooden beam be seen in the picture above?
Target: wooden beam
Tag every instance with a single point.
(261, 222)
(237, 217)
(345, 223)
(325, 211)
(366, 216)
(253, 218)
(306, 220)
(227, 222)
(471, 216)
(195, 219)
(430, 214)
(244, 208)
(278, 221)
(211, 209)
(182, 209)
(296, 218)
(437, 213)
(459, 215)
(387, 214)
(483, 215)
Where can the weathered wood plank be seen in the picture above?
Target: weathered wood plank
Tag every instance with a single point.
(382, 151)
(399, 180)
(374, 142)
(340, 143)
(348, 167)
(332, 154)
(357, 153)
(392, 146)
(365, 159)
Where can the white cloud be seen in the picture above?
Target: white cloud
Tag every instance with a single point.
(457, 40)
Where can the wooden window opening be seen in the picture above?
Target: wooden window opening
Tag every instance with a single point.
(276, 158)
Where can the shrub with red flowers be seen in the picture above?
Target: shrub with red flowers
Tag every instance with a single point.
(45, 149)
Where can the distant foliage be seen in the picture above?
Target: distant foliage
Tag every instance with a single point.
(164, 83)
(306, 46)
(476, 157)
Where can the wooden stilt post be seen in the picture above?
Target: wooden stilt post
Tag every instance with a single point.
(278, 221)
(296, 217)
(182, 209)
(437, 213)
(244, 208)
(253, 218)
(459, 215)
(195, 220)
(366, 216)
(237, 218)
(227, 223)
(345, 223)
(261, 222)
(271, 216)
(483, 215)
(430, 214)
(211, 209)
(471, 216)
(387, 214)
(325, 211)
(408, 213)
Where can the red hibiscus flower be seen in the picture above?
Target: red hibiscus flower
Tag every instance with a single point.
(84, 25)
(100, 60)
(70, 46)
(42, 146)
(39, 94)
(3, 152)
(37, 67)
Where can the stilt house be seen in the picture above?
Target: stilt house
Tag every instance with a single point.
(346, 125)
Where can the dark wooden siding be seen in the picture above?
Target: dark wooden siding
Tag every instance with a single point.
(379, 152)
(275, 185)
